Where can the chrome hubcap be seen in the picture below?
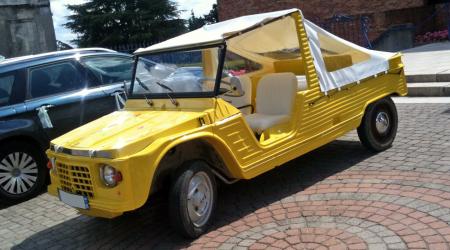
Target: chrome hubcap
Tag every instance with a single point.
(382, 122)
(200, 199)
(18, 173)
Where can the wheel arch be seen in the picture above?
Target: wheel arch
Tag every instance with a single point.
(26, 139)
(26, 130)
(373, 100)
(209, 149)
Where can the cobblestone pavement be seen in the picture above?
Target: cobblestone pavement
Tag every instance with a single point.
(339, 197)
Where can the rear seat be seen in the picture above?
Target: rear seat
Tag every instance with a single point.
(302, 83)
(295, 66)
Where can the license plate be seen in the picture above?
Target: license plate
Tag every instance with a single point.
(74, 200)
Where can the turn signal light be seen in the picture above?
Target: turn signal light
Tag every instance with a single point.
(51, 164)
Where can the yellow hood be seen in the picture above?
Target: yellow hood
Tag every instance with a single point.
(134, 129)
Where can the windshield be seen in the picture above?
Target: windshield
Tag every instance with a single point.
(109, 69)
(180, 74)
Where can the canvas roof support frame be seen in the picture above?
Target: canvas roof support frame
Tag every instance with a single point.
(326, 48)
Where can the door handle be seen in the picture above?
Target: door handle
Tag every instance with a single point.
(120, 91)
(45, 107)
(48, 106)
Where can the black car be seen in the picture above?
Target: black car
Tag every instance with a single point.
(44, 96)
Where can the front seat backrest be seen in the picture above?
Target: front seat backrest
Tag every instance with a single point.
(68, 78)
(40, 83)
(276, 94)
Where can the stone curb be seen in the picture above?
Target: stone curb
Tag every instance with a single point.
(420, 78)
(429, 89)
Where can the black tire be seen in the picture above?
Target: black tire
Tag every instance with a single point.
(178, 199)
(28, 164)
(379, 138)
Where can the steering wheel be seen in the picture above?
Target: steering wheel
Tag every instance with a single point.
(224, 91)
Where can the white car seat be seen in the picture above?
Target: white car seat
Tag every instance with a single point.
(275, 98)
(301, 83)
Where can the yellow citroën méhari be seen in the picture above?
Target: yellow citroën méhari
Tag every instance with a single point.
(225, 102)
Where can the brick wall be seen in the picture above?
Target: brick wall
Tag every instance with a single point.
(382, 13)
(323, 8)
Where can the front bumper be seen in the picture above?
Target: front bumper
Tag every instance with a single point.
(96, 209)
(81, 176)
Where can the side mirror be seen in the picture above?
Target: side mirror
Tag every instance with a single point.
(235, 88)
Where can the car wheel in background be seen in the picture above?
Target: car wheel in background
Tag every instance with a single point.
(22, 172)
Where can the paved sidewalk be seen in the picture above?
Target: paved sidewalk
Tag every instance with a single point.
(428, 63)
(427, 70)
(428, 59)
(423, 100)
(337, 197)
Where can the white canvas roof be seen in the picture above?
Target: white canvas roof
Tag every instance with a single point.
(372, 62)
(253, 34)
(215, 33)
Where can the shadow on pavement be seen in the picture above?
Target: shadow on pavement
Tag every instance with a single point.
(149, 226)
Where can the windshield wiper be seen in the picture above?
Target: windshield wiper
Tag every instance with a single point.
(164, 86)
(174, 102)
(148, 100)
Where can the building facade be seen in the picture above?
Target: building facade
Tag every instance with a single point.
(26, 27)
(382, 16)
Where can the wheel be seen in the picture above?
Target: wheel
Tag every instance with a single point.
(22, 172)
(379, 125)
(192, 199)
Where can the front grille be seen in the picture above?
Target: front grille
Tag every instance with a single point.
(75, 179)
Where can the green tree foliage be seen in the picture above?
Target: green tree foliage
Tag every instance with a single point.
(197, 22)
(115, 22)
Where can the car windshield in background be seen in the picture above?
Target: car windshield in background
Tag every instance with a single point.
(181, 73)
(109, 69)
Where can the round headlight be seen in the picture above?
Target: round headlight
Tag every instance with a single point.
(110, 175)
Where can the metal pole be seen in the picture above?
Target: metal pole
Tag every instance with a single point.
(365, 30)
(447, 6)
